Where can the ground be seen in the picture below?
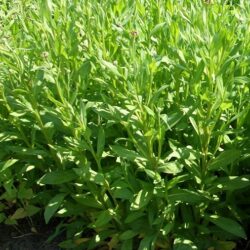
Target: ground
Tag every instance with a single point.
(12, 239)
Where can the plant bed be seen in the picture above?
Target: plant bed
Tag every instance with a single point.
(128, 121)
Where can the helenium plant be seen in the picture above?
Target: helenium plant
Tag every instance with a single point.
(127, 120)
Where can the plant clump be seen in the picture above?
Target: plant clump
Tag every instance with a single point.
(127, 121)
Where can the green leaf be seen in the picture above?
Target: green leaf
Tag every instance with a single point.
(171, 119)
(24, 193)
(197, 76)
(129, 234)
(228, 225)
(31, 210)
(158, 27)
(6, 164)
(103, 218)
(147, 242)
(85, 69)
(123, 193)
(178, 179)
(127, 245)
(172, 167)
(185, 196)
(97, 178)
(28, 211)
(124, 153)
(152, 174)
(141, 199)
(53, 206)
(242, 79)
(167, 229)
(224, 159)
(184, 244)
(181, 55)
(58, 177)
(230, 183)
(20, 213)
(100, 142)
(194, 124)
(134, 216)
(2, 217)
(87, 200)
(111, 67)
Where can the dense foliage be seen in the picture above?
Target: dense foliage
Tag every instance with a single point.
(129, 120)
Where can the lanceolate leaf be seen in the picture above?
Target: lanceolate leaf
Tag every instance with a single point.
(53, 206)
(125, 153)
(185, 196)
(103, 218)
(87, 200)
(172, 167)
(171, 119)
(27, 211)
(224, 159)
(147, 242)
(228, 225)
(230, 183)
(141, 199)
(128, 235)
(111, 67)
(58, 177)
(7, 164)
(127, 120)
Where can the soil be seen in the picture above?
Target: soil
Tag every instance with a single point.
(12, 238)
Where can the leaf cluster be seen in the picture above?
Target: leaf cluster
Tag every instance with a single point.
(128, 120)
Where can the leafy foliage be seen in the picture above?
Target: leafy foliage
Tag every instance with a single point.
(129, 120)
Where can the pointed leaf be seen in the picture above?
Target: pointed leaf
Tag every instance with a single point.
(111, 67)
(172, 167)
(230, 183)
(128, 235)
(53, 206)
(141, 199)
(224, 159)
(6, 164)
(87, 200)
(58, 177)
(185, 196)
(100, 142)
(228, 225)
(125, 153)
(103, 218)
(147, 242)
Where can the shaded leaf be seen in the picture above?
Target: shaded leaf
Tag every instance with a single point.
(186, 196)
(224, 159)
(53, 206)
(103, 218)
(58, 177)
(230, 183)
(228, 225)
(87, 200)
(128, 235)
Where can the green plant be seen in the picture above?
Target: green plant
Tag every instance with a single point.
(129, 121)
